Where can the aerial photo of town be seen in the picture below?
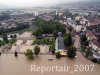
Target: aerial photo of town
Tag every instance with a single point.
(49, 37)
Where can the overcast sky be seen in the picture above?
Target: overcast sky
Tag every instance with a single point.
(25, 3)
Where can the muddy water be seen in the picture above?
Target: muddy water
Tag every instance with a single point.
(9, 65)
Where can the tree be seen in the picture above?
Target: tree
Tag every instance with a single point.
(58, 55)
(29, 54)
(56, 17)
(12, 41)
(55, 33)
(38, 32)
(36, 50)
(68, 14)
(62, 29)
(68, 40)
(84, 40)
(71, 52)
(5, 38)
(11, 36)
(50, 26)
(1, 43)
(15, 35)
(20, 26)
(88, 52)
(52, 48)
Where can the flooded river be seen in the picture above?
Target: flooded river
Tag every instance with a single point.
(9, 65)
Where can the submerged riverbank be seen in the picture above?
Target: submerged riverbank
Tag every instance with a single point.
(10, 65)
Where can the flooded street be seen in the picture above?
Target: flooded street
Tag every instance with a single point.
(9, 65)
(77, 42)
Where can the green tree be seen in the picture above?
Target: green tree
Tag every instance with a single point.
(62, 29)
(50, 26)
(5, 38)
(71, 52)
(38, 32)
(36, 50)
(29, 54)
(12, 41)
(68, 40)
(1, 43)
(84, 40)
(89, 52)
(55, 33)
(52, 48)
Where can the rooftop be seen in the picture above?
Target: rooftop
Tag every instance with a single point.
(61, 43)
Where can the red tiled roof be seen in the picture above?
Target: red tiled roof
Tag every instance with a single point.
(91, 35)
(94, 22)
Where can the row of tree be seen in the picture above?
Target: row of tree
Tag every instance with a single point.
(47, 27)
(13, 36)
(5, 39)
(46, 41)
(19, 26)
(30, 54)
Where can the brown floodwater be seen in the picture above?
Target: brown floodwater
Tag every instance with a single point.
(9, 65)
